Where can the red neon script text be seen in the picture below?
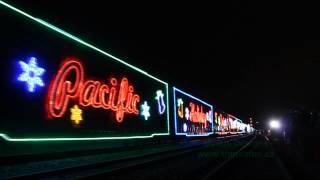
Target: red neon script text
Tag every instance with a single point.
(197, 115)
(69, 84)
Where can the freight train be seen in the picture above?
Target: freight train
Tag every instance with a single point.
(56, 87)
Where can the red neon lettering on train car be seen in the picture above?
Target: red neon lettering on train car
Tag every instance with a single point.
(197, 115)
(70, 84)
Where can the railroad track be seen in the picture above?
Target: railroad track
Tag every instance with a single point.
(101, 166)
(220, 166)
(264, 167)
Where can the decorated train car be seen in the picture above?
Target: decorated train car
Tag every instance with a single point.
(228, 124)
(222, 124)
(58, 87)
(192, 116)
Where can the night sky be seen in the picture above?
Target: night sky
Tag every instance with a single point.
(249, 59)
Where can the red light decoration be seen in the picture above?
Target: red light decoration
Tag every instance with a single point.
(216, 117)
(69, 84)
(221, 120)
(197, 115)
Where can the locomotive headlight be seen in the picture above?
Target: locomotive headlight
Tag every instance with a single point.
(275, 124)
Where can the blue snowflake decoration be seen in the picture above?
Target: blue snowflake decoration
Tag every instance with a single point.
(31, 74)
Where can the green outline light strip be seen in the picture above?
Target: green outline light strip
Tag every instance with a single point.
(56, 29)
(7, 138)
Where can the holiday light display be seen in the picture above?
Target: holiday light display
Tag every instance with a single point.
(77, 90)
(31, 74)
(80, 92)
(90, 93)
(161, 104)
(145, 110)
(197, 119)
(76, 115)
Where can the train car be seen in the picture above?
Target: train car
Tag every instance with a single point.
(228, 124)
(237, 126)
(222, 123)
(58, 87)
(192, 116)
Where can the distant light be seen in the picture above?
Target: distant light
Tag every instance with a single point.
(275, 124)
